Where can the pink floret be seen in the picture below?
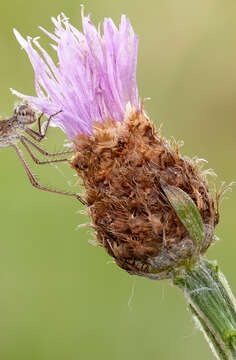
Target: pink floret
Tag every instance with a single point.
(95, 77)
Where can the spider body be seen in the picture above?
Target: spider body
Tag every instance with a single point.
(14, 129)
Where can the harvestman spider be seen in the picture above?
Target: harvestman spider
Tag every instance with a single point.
(24, 116)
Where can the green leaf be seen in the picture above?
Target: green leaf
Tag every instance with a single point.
(186, 211)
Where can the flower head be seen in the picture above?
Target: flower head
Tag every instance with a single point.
(150, 207)
(95, 78)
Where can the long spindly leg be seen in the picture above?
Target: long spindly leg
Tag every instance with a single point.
(48, 122)
(36, 160)
(39, 122)
(37, 135)
(35, 183)
(24, 140)
(34, 134)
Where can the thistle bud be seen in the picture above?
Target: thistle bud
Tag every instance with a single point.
(132, 176)
(150, 207)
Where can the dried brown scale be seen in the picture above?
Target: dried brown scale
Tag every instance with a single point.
(121, 166)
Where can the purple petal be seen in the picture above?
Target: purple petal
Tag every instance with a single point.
(95, 77)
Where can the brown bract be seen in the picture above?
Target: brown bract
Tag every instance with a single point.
(121, 166)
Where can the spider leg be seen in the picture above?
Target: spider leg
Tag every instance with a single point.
(34, 134)
(48, 122)
(39, 122)
(36, 160)
(37, 135)
(36, 184)
(25, 139)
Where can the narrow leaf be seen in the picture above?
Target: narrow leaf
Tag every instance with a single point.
(186, 211)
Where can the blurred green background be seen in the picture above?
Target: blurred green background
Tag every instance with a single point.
(60, 297)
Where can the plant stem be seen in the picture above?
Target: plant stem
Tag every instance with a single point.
(213, 306)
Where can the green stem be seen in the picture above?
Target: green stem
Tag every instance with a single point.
(213, 306)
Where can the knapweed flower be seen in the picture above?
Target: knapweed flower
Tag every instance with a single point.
(128, 169)
(150, 206)
(95, 78)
